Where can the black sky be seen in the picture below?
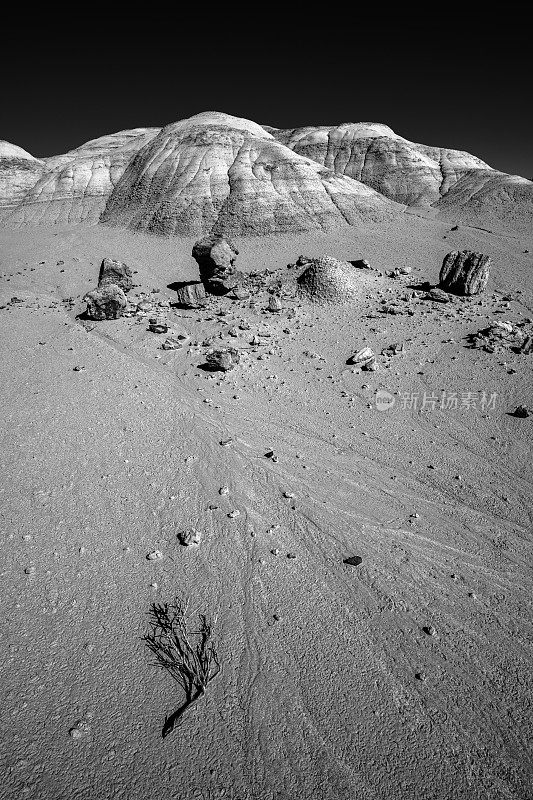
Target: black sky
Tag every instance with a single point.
(445, 81)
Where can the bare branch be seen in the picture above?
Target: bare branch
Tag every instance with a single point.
(189, 656)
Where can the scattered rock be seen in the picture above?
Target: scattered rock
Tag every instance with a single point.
(522, 412)
(464, 272)
(240, 293)
(115, 273)
(191, 296)
(224, 490)
(363, 356)
(223, 360)
(107, 302)
(527, 345)
(189, 537)
(171, 344)
(360, 263)
(390, 308)
(393, 350)
(274, 304)
(155, 555)
(500, 336)
(370, 366)
(234, 514)
(437, 295)
(80, 729)
(429, 630)
(157, 325)
(353, 561)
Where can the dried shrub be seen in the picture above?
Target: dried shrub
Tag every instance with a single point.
(188, 655)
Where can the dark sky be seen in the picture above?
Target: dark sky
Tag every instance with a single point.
(444, 81)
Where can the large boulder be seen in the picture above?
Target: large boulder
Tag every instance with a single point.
(464, 272)
(216, 256)
(223, 360)
(192, 295)
(106, 302)
(117, 273)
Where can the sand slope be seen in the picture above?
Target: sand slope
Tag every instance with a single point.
(103, 465)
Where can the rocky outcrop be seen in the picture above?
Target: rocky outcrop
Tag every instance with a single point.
(215, 173)
(465, 272)
(115, 272)
(19, 171)
(74, 188)
(456, 184)
(221, 174)
(486, 197)
(372, 153)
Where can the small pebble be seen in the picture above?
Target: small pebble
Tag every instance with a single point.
(30, 570)
(234, 514)
(223, 490)
(353, 561)
(154, 555)
(429, 630)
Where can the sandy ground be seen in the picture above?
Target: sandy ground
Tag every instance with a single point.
(331, 685)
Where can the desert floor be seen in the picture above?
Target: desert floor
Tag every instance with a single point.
(407, 676)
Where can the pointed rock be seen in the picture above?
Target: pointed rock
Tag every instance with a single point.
(117, 273)
(216, 256)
